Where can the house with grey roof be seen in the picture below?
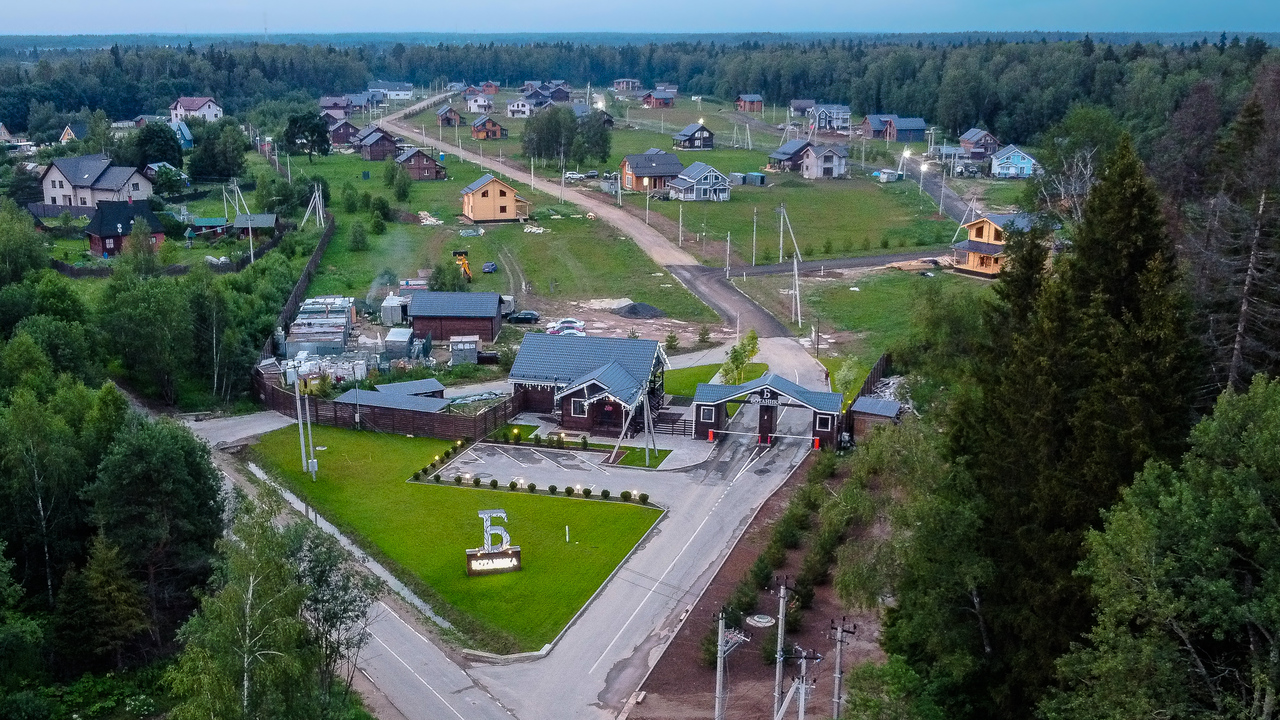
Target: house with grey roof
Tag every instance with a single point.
(375, 143)
(699, 182)
(87, 180)
(113, 222)
(788, 157)
(659, 99)
(800, 108)
(868, 412)
(446, 116)
(601, 386)
(479, 104)
(392, 90)
(442, 315)
(768, 393)
(695, 136)
(1011, 161)
(824, 161)
(978, 143)
(650, 170)
(830, 118)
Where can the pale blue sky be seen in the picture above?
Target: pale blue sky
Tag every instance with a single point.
(218, 16)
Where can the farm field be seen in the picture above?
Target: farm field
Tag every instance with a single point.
(423, 530)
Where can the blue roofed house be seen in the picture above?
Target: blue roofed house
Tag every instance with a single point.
(830, 118)
(788, 157)
(185, 138)
(1012, 162)
(700, 181)
(695, 136)
(982, 252)
(597, 385)
(903, 129)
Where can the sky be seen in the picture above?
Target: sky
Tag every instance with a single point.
(23, 17)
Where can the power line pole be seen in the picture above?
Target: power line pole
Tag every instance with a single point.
(837, 691)
(720, 654)
(728, 237)
(755, 211)
(780, 656)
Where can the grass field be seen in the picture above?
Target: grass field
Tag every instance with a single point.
(424, 529)
(684, 381)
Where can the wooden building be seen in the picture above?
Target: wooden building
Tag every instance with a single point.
(982, 253)
(488, 199)
(700, 182)
(596, 385)
(768, 392)
(442, 315)
(377, 146)
(695, 136)
(448, 117)
(749, 102)
(656, 166)
(490, 87)
(789, 157)
(486, 128)
(867, 412)
(342, 132)
(113, 222)
(421, 164)
(978, 144)
(659, 99)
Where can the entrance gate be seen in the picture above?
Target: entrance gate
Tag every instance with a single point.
(768, 393)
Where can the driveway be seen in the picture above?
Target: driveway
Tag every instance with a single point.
(229, 430)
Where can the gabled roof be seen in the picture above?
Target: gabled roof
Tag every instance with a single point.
(982, 248)
(115, 218)
(661, 94)
(801, 104)
(820, 150)
(911, 123)
(1007, 150)
(81, 171)
(113, 178)
(391, 86)
(877, 406)
(877, 121)
(689, 131)
(366, 131)
(582, 111)
(258, 220)
(410, 153)
(621, 366)
(392, 400)
(191, 103)
(78, 129)
(975, 135)
(373, 137)
(750, 97)
(819, 400)
(480, 121)
(607, 380)
(180, 129)
(479, 183)
(412, 387)
(446, 109)
(697, 170)
(789, 149)
(335, 101)
(427, 303)
(339, 124)
(654, 163)
(1014, 221)
(832, 109)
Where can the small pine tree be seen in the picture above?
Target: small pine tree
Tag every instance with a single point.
(402, 184)
(672, 342)
(359, 237)
(378, 226)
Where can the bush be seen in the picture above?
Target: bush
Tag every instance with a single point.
(359, 238)
(511, 485)
(708, 653)
(568, 490)
(774, 554)
(378, 225)
(769, 647)
(626, 496)
(537, 439)
(585, 445)
(828, 247)
(380, 207)
(672, 342)
(457, 479)
(436, 478)
(644, 498)
(448, 452)
(704, 334)
(551, 489)
(884, 243)
(761, 572)
(823, 467)
(493, 484)
(475, 481)
(586, 492)
(560, 442)
(504, 437)
(795, 619)
(604, 494)
(531, 487)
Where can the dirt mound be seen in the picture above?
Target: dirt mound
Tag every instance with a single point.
(639, 311)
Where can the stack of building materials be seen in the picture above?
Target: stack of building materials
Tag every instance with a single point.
(322, 327)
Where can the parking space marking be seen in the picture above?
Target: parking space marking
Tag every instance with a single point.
(504, 452)
(553, 460)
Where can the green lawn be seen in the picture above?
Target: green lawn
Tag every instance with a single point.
(424, 529)
(526, 431)
(634, 457)
(684, 381)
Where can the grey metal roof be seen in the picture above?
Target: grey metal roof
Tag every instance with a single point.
(335, 101)
(391, 86)
(479, 183)
(612, 379)
(877, 406)
(444, 110)
(410, 153)
(392, 400)
(115, 218)
(801, 104)
(561, 360)
(974, 134)
(339, 124)
(482, 120)
(911, 123)
(839, 150)
(977, 246)
(832, 109)
(697, 170)
(654, 163)
(1005, 151)
(662, 94)
(789, 149)
(1017, 221)
(374, 137)
(689, 130)
(819, 400)
(113, 178)
(82, 171)
(877, 121)
(259, 220)
(751, 97)
(412, 387)
(427, 303)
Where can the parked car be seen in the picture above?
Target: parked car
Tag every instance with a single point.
(527, 317)
(566, 323)
(569, 331)
(591, 174)
(573, 176)
(490, 267)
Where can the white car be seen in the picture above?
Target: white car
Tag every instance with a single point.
(568, 331)
(566, 323)
(574, 176)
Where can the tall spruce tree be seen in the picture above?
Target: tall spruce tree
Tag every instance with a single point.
(1085, 375)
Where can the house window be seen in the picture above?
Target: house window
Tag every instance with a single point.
(135, 186)
(977, 232)
(823, 423)
(502, 193)
(111, 243)
(53, 200)
(484, 193)
(61, 184)
(84, 201)
(707, 413)
(578, 408)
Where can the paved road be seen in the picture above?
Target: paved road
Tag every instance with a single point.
(727, 300)
(228, 430)
(809, 266)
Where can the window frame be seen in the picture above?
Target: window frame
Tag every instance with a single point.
(818, 423)
(702, 413)
(574, 404)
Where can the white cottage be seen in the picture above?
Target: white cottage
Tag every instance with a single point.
(700, 181)
(823, 161)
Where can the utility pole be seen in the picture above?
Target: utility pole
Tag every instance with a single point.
(728, 237)
(781, 655)
(720, 653)
(781, 209)
(838, 691)
(755, 211)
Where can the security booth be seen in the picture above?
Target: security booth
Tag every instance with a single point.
(768, 392)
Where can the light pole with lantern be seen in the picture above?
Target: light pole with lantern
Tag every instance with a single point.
(646, 201)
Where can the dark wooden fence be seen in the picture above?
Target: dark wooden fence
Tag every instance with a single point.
(878, 372)
(449, 426)
(300, 288)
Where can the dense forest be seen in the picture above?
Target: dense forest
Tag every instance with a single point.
(1016, 89)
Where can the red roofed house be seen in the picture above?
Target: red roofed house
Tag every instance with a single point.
(204, 107)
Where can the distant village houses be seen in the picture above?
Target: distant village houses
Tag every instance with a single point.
(203, 107)
(89, 180)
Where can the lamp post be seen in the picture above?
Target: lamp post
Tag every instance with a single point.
(646, 201)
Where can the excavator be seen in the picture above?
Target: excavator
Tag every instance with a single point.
(460, 257)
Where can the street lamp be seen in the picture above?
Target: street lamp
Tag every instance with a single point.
(646, 201)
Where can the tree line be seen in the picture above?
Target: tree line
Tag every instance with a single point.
(1015, 89)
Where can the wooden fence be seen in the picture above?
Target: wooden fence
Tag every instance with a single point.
(878, 372)
(450, 426)
(300, 288)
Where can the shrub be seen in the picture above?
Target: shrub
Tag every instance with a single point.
(511, 485)
(884, 243)
(551, 489)
(436, 478)
(504, 437)
(359, 237)
(672, 342)
(531, 487)
(586, 492)
(626, 496)
(604, 494)
(457, 479)
(704, 334)
(515, 436)
(560, 442)
(769, 647)
(760, 573)
(568, 490)
(585, 445)
(828, 247)
(795, 618)
(475, 481)
(823, 467)
(644, 498)
(448, 452)
(708, 653)
(378, 226)
(537, 439)
(774, 554)
(848, 245)
(466, 439)
(866, 243)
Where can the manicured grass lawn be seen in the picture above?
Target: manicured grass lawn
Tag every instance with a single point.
(526, 431)
(635, 457)
(425, 529)
(684, 381)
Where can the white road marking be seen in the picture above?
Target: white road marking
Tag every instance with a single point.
(548, 457)
(662, 577)
(504, 452)
(415, 674)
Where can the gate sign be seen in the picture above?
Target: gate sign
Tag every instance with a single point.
(767, 396)
(488, 560)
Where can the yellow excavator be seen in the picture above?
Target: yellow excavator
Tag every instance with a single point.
(460, 257)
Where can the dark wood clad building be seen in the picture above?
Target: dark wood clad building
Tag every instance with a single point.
(441, 315)
(113, 222)
(421, 165)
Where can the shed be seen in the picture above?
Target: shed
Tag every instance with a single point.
(868, 412)
(737, 178)
(398, 340)
(445, 314)
(754, 178)
(464, 349)
(393, 310)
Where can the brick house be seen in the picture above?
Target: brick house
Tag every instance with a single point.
(659, 99)
(421, 165)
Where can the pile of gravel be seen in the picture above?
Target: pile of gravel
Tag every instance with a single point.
(639, 311)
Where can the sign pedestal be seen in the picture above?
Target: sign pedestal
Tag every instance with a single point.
(492, 562)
